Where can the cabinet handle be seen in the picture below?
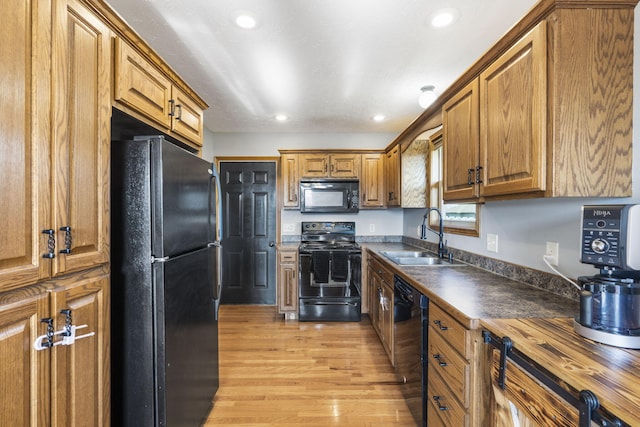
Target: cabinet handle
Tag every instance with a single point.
(179, 107)
(470, 176)
(51, 244)
(478, 177)
(440, 406)
(67, 240)
(172, 108)
(439, 359)
(49, 340)
(438, 323)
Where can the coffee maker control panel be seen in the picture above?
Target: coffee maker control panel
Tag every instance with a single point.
(610, 236)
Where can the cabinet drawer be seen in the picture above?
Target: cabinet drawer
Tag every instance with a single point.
(450, 365)
(456, 335)
(288, 256)
(384, 274)
(443, 408)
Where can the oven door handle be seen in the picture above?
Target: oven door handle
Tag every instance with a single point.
(334, 303)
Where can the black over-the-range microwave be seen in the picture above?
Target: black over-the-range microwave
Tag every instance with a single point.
(329, 196)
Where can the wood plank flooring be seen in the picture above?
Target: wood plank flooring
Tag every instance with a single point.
(287, 373)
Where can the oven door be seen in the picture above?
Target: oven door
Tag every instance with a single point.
(330, 274)
(326, 295)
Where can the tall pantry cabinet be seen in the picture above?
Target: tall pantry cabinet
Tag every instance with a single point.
(54, 207)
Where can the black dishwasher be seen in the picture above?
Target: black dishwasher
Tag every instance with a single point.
(411, 317)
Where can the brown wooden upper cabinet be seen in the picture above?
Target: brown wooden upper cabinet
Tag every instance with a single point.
(290, 180)
(330, 165)
(372, 181)
(140, 86)
(54, 178)
(494, 139)
(392, 177)
(550, 116)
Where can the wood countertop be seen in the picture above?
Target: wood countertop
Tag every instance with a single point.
(611, 373)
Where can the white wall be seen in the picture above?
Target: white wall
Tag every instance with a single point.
(268, 144)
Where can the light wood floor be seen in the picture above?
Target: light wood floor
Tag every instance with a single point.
(288, 373)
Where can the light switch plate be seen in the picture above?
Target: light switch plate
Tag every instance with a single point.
(492, 242)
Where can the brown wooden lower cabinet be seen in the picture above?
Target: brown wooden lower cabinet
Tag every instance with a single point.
(457, 388)
(288, 282)
(63, 385)
(380, 284)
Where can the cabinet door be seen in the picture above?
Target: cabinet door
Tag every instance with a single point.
(314, 165)
(290, 180)
(387, 321)
(140, 86)
(372, 182)
(460, 141)
(287, 281)
(81, 138)
(513, 105)
(375, 291)
(288, 292)
(392, 176)
(345, 165)
(24, 371)
(186, 118)
(81, 371)
(24, 156)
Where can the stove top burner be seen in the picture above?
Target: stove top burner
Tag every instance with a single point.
(322, 236)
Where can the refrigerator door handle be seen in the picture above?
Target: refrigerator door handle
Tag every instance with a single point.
(160, 259)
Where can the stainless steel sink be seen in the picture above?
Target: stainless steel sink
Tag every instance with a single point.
(418, 258)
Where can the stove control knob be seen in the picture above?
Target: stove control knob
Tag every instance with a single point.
(600, 246)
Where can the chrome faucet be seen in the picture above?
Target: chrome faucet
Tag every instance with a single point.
(442, 248)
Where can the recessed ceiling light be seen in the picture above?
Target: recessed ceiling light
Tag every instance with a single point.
(378, 118)
(246, 20)
(444, 17)
(281, 117)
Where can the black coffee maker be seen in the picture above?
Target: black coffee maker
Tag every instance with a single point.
(610, 301)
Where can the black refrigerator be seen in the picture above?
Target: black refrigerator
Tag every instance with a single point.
(165, 284)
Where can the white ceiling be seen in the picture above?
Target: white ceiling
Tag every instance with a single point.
(328, 64)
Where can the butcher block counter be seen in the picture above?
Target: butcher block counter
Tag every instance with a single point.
(611, 373)
(538, 322)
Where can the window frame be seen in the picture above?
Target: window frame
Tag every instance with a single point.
(435, 191)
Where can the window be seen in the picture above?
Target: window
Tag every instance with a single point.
(459, 218)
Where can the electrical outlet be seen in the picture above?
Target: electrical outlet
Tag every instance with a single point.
(288, 228)
(553, 248)
(492, 242)
(372, 228)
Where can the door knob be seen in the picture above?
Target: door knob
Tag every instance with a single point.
(271, 244)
